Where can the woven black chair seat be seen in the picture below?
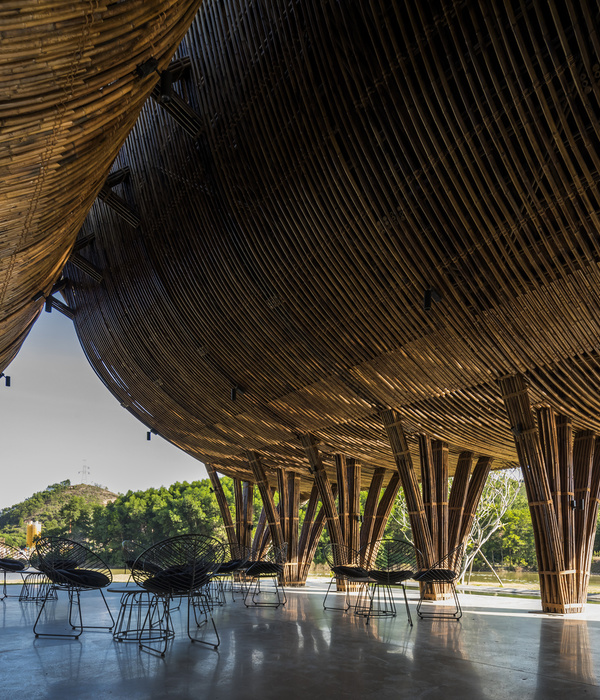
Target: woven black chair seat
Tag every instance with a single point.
(83, 578)
(229, 566)
(12, 565)
(264, 568)
(177, 579)
(435, 575)
(390, 577)
(51, 563)
(351, 572)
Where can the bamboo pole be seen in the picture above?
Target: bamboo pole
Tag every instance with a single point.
(554, 587)
(309, 444)
(354, 474)
(230, 530)
(416, 510)
(266, 494)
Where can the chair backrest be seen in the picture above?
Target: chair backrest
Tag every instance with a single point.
(178, 565)
(14, 558)
(453, 560)
(239, 552)
(394, 555)
(58, 557)
(340, 555)
(269, 553)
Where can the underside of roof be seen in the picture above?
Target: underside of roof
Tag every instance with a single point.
(338, 208)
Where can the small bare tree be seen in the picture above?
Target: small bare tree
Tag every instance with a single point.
(498, 495)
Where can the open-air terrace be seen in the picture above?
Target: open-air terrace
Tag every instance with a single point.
(503, 647)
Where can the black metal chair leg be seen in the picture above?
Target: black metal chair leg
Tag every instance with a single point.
(407, 608)
(206, 608)
(55, 634)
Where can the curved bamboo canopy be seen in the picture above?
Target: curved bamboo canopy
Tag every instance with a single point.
(350, 207)
(69, 95)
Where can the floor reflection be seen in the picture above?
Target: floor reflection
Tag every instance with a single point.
(303, 652)
(565, 654)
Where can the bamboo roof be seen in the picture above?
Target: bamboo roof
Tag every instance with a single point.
(69, 95)
(357, 206)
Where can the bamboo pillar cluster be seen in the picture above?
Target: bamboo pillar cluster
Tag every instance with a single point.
(284, 523)
(345, 523)
(440, 521)
(279, 524)
(561, 470)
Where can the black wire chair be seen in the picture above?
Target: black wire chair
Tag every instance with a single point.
(445, 572)
(12, 561)
(71, 567)
(36, 585)
(394, 562)
(268, 565)
(230, 569)
(179, 567)
(346, 573)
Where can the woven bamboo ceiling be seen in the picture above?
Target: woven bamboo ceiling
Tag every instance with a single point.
(69, 95)
(345, 207)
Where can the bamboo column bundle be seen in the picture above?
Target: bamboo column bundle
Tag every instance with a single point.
(324, 487)
(341, 470)
(458, 497)
(414, 499)
(444, 521)
(271, 514)
(354, 474)
(239, 509)
(367, 536)
(230, 528)
(248, 514)
(440, 467)
(312, 527)
(561, 478)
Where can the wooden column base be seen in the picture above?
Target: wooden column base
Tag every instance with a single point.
(566, 609)
(435, 591)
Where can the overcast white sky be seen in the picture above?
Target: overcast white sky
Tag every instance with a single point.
(57, 416)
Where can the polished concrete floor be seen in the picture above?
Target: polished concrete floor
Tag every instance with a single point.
(502, 648)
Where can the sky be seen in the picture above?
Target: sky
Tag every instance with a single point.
(58, 421)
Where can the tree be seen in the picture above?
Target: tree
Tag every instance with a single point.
(499, 493)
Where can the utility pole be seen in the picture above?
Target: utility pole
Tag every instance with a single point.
(85, 473)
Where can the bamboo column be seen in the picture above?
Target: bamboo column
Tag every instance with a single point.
(309, 444)
(312, 527)
(289, 510)
(230, 529)
(341, 470)
(238, 496)
(272, 516)
(410, 484)
(439, 522)
(377, 516)
(370, 512)
(238, 534)
(562, 477)
(354, 477)
(248, 509)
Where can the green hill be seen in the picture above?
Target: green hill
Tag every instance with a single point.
(54, 506)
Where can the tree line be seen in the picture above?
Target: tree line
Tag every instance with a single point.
(502, 533)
